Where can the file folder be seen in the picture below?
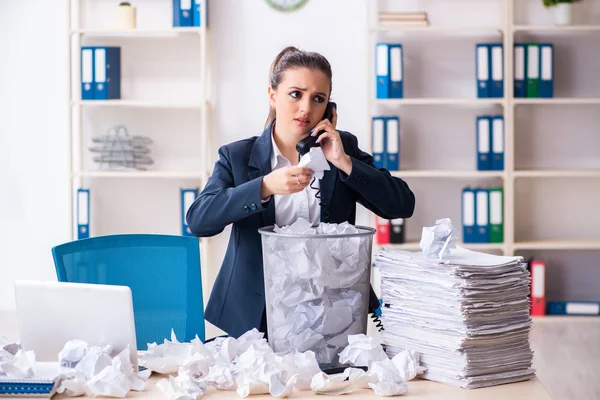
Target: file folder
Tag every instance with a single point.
(519, 70)
(533, 70)
(496, 226)
(188, 196)
(107, 73)
(481, 215)
(182, 13)
(573, 308)
(484, 128)
(397, 231)
(546, 70)
(497, 158)
(83, 213)
(538, 287)
(197, 13)
(482, 68)
(396, 71)
(497, 71)
(378, 141)
(87, 73)
(382, 67)
(383, 230)
(392, 144)
(468, 215)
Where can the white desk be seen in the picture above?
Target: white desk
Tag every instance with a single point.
(417, 389)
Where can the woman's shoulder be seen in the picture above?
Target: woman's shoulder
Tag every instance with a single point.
(240, 147)
(349, 140)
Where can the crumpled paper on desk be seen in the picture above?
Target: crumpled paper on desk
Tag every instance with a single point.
(438, 240)
(315, 160)
(315, 288)
(91, 370)
(14, 362)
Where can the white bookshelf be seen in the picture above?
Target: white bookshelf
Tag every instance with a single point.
(504, 30)
(92, 25)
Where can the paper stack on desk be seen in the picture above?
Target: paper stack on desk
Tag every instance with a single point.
(467, 315)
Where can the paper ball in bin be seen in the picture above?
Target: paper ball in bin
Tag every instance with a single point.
(317, 283)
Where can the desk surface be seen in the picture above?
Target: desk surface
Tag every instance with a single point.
(417, 389)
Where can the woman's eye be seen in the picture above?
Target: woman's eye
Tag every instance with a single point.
(319, 99)
(295, 94)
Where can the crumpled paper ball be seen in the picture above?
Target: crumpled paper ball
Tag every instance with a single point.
(438, 240)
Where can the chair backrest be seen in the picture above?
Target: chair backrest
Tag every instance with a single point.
(163, 272)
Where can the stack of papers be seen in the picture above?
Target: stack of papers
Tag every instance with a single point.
(467, 315)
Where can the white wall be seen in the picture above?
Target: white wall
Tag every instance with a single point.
(33, 142)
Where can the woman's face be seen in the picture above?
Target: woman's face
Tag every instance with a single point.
(299, 101)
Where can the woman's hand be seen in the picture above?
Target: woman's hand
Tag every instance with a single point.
(286, 180)
(331, 144)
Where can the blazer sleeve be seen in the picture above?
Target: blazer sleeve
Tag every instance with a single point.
(221, 202)
(377, 190)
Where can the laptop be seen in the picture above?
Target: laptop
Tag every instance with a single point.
(50, 314)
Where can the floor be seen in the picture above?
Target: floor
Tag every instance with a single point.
(567, 353)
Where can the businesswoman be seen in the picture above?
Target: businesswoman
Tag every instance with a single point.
(256, 182)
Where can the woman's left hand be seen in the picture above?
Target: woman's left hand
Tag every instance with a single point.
(331, 144)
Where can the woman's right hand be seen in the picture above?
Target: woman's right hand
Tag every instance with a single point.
(286, 180)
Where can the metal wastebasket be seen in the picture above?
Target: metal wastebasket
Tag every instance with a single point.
(317, 289)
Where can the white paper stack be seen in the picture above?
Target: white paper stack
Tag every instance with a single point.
(467, 315)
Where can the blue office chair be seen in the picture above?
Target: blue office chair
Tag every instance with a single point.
(162, 271)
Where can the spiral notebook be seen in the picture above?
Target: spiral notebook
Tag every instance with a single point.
(43, 384)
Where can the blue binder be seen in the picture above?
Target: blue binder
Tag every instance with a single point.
(392, 144)
(484, 137)
(83, 213)
(546, 70)
(87, 73)
(468, 215)
(482, 70)
(378, 140)
(396, 71)
(482, 215)
(520, 61)
(107, 73)
(496, 70)
(187, 198)
(197, 13)
(497, 155)
(573, 308)
(182, 13)
(382, 70)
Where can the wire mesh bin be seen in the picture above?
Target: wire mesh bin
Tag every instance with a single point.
(317, 288)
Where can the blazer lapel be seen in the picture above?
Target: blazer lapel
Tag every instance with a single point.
(260, 165)
(327, 186)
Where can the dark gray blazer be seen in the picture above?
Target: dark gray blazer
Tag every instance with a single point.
(232, 196)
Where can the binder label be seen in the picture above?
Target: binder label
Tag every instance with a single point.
(392, 136)
(82, 212)
(100, 65)
(396, 64)
(484, 136)
(495, 208)
(468, 207)
(382, 60)
(482, 208)
(546, 63)
(497, 63)
(378, 136)
(539, 280)
(185, 4)
(86, 66)
(533, 62)
(498, 135)
(519, 63)
(583, 308)
(482, 63)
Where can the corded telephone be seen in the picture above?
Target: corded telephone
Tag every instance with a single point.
(305, 144)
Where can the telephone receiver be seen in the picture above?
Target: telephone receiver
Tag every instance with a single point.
(305, 144)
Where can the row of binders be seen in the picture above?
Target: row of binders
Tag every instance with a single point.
(483, 215)
(389, 71)
(385, 142)
(490, 143)
(390, 231)
(533, 70)
(83, 211)
(100, 72)
(188, 13)
(539, 305)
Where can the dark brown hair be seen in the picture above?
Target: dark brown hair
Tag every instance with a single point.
(291, 57)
